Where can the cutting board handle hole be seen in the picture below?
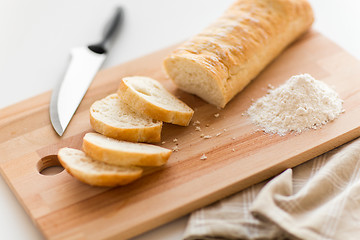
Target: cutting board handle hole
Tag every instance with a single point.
(49, 165)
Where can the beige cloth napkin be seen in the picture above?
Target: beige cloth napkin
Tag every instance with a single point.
(319, 199)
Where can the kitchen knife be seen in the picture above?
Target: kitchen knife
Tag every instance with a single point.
(84, 64)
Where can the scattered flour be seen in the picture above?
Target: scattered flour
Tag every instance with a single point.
(299, 104)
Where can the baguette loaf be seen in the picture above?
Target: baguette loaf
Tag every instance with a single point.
(148, 96)
(96, 173)
(220, 61)
(113, 118)
(123, 153)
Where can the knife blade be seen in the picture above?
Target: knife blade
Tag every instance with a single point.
(85, 62)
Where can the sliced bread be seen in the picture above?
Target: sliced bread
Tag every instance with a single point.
(148, 96)
(113, 118)
(124, 153)
(96, 173)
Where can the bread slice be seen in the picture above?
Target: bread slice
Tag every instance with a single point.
(113, 118)
(220, 61)
(149, 97)
(96, 173)
(124, 153)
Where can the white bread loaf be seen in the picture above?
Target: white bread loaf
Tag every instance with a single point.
(113, 118)
(124, 153)
(96, 173)
(220, 61)
(148, 96)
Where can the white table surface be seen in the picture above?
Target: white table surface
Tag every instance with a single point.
(36, 36)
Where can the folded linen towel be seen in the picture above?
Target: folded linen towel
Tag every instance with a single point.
(319, 199)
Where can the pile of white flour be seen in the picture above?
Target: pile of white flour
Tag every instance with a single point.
(299, 104)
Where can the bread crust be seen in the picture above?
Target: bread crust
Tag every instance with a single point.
(232, 51)
(146, 134)
(150, 134)
(138, 102)
(97, 178)
(125, 157)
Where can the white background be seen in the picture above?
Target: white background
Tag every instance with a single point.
(36, 36)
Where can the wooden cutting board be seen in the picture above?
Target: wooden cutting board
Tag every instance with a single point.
(239, 156)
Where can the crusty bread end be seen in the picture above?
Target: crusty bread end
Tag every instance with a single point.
(220, 61)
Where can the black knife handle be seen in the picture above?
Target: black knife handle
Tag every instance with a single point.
(113, 24)
(109, 31)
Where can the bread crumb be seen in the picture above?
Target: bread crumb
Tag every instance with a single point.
(163, 142)
(233, 150)
(225, 130)
(218, 134)
(207, 137)
(202, 135)
(216, 115)
(175, 149)
(270, 86)
(196, 123)
(207, 125)
(233, 138)
(197, 128)
(203, 157)
(175, 140)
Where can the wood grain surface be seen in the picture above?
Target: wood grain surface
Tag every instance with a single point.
(239, 156)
